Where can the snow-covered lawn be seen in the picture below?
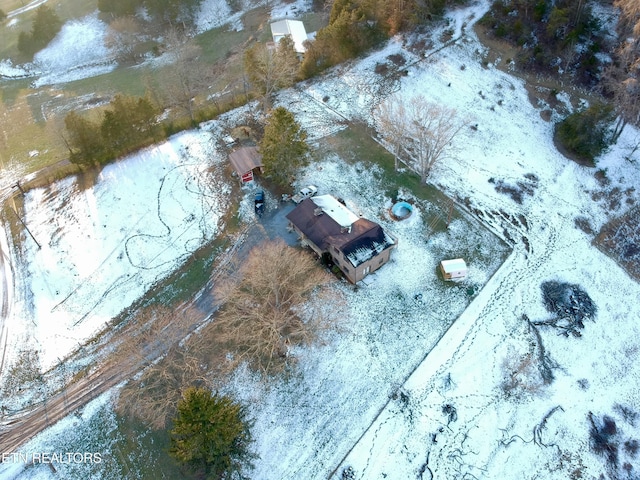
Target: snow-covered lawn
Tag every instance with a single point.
(104, 246)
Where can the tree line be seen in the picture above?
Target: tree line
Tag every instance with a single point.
(173, 12)
(129, 123)
(356, 26)
(45, 27)
(564, 36)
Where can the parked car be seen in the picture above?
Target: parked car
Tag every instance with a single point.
(307, 192)
(258, 203)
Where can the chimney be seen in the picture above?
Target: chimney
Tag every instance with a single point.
(318, 211)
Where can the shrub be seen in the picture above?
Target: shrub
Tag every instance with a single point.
(211, 433)
(586, 134)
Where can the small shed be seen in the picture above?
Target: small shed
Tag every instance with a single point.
(454, 270)
(245, 160)
(292, 28)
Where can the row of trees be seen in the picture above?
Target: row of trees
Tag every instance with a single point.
(128, 124)
(355, 26)
(172, 12)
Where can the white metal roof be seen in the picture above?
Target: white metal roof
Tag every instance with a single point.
(455, 265)
(332, 207)
(295, 28)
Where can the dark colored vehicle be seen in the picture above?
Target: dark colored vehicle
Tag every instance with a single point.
(258, 203)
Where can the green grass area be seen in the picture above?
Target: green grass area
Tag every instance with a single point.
(125, 80)
(143, 453)
(217, 43)
(355, 144)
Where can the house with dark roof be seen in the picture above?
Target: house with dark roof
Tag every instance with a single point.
(245, 160)
(356, 245)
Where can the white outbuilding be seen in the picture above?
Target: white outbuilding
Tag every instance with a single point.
(293, 28)
(454, 270)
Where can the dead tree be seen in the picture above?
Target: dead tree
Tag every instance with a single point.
(418, 130)
(262, 314)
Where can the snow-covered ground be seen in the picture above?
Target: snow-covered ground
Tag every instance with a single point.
(102, 247)
(349, 404)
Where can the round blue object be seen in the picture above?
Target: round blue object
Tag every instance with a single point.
(402, 210)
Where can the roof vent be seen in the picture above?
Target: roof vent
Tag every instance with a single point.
(318, 211)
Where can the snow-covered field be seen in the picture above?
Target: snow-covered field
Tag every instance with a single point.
(101, 248)
(350, 405)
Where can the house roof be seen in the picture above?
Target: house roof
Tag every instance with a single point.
(295, 28)
(455, 265)
(245, 159)
(336, 210)
(326, 222)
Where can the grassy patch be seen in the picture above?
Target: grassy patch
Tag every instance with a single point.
(355, 144)
(185, 282)
(144, 452)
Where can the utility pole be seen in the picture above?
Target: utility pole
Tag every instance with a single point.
(26, 228)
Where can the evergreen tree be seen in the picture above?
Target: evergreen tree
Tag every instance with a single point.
(586, 133)
(46, 26)
(85, 141)
(284, 146)
(128, 124)
(211, 433)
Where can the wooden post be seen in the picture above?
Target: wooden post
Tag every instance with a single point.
(450, 213)
(19, 187)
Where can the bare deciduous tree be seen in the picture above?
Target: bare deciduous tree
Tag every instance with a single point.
(623, 76)
(186, 77)
(419, 130)
(152, 397)
(123, 37)
(264, 309)
(271, 68)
